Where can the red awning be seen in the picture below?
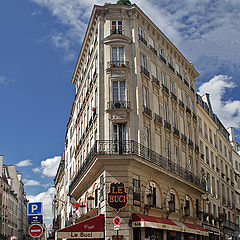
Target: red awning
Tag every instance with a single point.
(90, 228)
(140, 220)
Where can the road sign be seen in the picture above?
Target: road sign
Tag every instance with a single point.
(35, 230)
(36, 219)
(116, 220)
(116, 227)
(35, 208)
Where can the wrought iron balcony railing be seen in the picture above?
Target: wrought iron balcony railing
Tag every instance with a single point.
(192, 89)
(145, 71)
(171, 67)
(142, 39)
(153, 49)
(196, 147)
(118, 64)
(147, 110)
(186, 82)
(184, 138)
(190, 143)
(179, 75)
(157, 118)
(116, 31)
(194, 116)
(118, 104)
(167, 125)
(176, 131)
(130, 147)
(155, 80)
(162, 58)
(165, 89)
(173, 96)
(188, 110)
(181, 104)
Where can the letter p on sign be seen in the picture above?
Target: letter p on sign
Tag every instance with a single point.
(35, 208)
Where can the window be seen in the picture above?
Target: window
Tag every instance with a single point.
(208, 183)
(168, 149)
(119, 90)
(117, 55)
(154, 69)
(177, 69)
(210, 136)
(207, 155)
(141, 32)
(205, 130)
(153, 194)
(119, 132)
(165, 112)
(151, 42)
(116, 27)
(174, 118)
(189, 132)
(200, 124)
(172, 202)
(176, 155)
(172, 87)
(146, 137)
(220, 145)
(215, 141)
(225, 151)
(218, 190)
(213, 187)
(160, 52)
(190, 163)
(170, 61)
(145, 96)
(164, 80)
(143, 61)
(187, 103)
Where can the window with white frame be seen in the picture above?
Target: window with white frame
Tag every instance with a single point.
(119, 90)
(145, 96)
(117, 27)
(117, 55)
(165, 112)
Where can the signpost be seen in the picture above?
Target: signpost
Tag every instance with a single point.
(35, 208)
(117, 221)
(35, 230)
(36, 219)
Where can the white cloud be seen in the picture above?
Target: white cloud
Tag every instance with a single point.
(24, 163)
(49, 166)
(228, 110)
(3, 80)
(31, 182)
(36, 170)
(46, 198)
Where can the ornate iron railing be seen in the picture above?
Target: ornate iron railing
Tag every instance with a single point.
(163, 58)
(153, 49)
(147, 110)
(155, 80)
(142, 39)
(118, 64)
(118, 104)
(145, 71)
(130, 147)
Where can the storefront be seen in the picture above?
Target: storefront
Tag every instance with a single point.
(92, 228)
(214, 232)
(155, 228)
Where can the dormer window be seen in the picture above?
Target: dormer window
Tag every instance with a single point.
(116, 27)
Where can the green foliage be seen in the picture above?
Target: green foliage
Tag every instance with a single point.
(124, 2)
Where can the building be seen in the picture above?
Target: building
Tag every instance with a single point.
(236, 169)
(13, 203)
(133, 124)
(217, 169)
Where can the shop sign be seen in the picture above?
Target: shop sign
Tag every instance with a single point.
(117, 197)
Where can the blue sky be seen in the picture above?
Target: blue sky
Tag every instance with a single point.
(39, 44)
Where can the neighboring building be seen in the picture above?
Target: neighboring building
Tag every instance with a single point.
(236, 168)
(13, 203)
(133, 121)
(217, 169)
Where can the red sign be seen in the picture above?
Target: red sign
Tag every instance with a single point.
(35, 230)
(116, 220)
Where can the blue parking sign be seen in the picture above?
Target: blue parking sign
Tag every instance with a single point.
(35, 208)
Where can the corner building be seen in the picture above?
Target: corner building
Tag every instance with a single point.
(134, 121)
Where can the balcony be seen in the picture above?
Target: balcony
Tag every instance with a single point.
(181, 104)
(147, 110)
(162, 58)
(231, 225)
(118, 104)
(186, 82)
(188, 110)
(145, 71)
(197, 148)
(155, 80)
(116, 31)
(171, 67)
(176, 131)
(153, 49)
(173, 96)
(194, 116)
(157, 118)
(179, 75)
(192, 89)
(130, 147)
(190, 143)
(184, 138)
(165, 89)
(117, 64)
(167, 125)
(142, 39)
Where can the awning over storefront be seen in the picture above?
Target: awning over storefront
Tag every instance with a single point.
(140, 220)
(90, 228)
